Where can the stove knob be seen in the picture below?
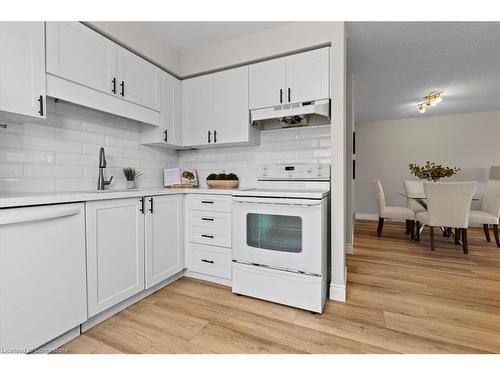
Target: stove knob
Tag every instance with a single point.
(264, 174)
(319, 173)
(320, 166)
(309, 170)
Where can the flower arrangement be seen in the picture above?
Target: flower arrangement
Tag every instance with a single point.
(431, 171)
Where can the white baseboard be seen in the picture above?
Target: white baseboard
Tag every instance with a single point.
(338, 291)
(349, 248)
(212, 279)
(53, 345)
(362, 216)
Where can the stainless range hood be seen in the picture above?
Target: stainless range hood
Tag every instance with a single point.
(291, 115)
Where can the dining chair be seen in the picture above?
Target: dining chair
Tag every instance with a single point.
(490, 211)
(448, 205)
(414, 189)
(391, 212)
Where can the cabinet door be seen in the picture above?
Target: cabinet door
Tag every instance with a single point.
(307, 76)
(197, 110)
(115, 252)
(231, 114)
(267, 83)
(22, 68)
(138, 79)
(164, 243)
(81, 55)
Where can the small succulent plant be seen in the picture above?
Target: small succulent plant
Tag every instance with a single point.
(431, 171)
(131, 174)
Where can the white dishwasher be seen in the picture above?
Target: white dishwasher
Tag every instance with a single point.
(42, 274)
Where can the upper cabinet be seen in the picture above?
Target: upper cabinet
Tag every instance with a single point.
(81, 55)
(197, 110)
(267, 83)
(168, 134)
(22, 68)
(138, 79)
(295, 78)
(82, 65)
(215, 110)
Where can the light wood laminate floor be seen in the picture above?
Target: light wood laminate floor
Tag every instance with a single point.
(401, 298)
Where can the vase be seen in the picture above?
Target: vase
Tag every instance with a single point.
(130, 184)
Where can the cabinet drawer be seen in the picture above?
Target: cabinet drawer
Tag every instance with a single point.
(209, 202)
(209, 260)
(210, 236)
(209, 220)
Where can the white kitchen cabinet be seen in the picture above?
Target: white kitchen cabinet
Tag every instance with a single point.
(231, 114)
(138, 79)
(80, 55)
(42, 274)
(168, 134)
(164, 240)
(115, 252)
(267, 83)
(291, 79)
(307, 76)
(22, 68)
(197, 110)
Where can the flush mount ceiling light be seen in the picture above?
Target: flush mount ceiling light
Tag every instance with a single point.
(430, 100)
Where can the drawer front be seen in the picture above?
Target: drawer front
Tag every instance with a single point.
(210, 236)
(209, 220)
(209, 202)
(209, 260)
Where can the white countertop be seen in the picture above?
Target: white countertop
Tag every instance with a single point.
(29, 199)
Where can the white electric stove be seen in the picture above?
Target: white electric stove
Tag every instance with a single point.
(280, 236)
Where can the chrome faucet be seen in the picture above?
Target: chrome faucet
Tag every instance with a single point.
(101, 182)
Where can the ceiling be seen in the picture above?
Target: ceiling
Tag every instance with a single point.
(186, 36)
(394, 64)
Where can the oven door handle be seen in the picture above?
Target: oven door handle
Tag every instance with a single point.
(277, 201)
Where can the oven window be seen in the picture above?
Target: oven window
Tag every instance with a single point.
(275, 232)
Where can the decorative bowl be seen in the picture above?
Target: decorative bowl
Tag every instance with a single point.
(223, 184)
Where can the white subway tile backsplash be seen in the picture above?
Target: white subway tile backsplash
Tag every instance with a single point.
(11, 170)
(79, 136)
(11, 141)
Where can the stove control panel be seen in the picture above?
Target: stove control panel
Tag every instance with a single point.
(299, 171)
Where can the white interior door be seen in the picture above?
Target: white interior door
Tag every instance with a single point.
(79, 54)
(197, 110)
(231, 114)
(164, 240)
(22, 68)
(267, 83)
(138, 79)
(308, 76)
(115, 252)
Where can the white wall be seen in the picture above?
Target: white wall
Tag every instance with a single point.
(141, 42)
(61, 152)
(302, 145)
(281, 40)
(385, 148)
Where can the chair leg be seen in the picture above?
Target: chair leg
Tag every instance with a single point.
(457, 236)
(417, 231)
(412, 229)
(380, 226)
(464, 241)
(486, 232)
(431, 234)
(495, 233)
(407, 226)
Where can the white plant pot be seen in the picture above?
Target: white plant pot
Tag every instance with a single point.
(130, 184)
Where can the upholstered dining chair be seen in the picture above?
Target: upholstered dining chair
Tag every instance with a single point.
(490, 211)
(391, 212)
(448, 205)
(413, 189)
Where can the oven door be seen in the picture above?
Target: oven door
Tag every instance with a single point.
(281, 233)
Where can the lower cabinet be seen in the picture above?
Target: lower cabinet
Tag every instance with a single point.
(115, 252)
(164, 242)
(132, 245)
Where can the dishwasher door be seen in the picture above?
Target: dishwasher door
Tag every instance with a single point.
(42, 274)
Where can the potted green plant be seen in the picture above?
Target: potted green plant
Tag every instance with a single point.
(130, 175)
(431, 171)
(222, 181)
